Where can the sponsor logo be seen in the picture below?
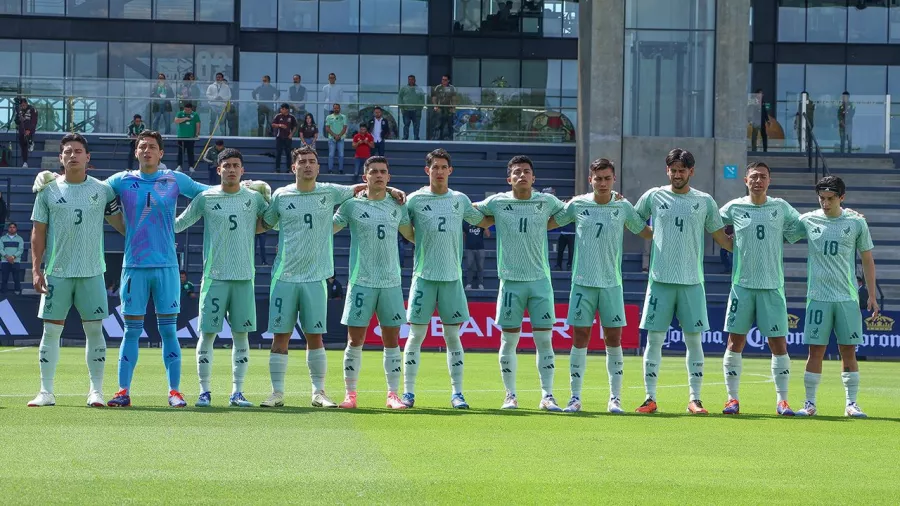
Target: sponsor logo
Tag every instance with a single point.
(506, 370)
(774, 328)
(617, 319)
(99, 310)
(243, 360)
(364, 216)
(457, 315)
(248, 323)
(699, 323)
(426, 208)
(508, 208)
(410, 362)
(664, 207)
(204, 361)
(291, 207)
(576, 375)
(318, 325)
(880, 323)
(746, 216)
(174, 304)
(457, 364)
(134, 186)
(397, 317)
(173, 355)
(546, 316)
(585, 213)
(100, 359)
(854, 336)
(793, 321)
(217, 207)
(62, 200)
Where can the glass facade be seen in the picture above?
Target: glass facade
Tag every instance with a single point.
(340, 16)
(839, 21)
(548, 18)
(170, 10)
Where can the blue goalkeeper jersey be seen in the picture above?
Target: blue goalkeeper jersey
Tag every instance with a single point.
(148, 203)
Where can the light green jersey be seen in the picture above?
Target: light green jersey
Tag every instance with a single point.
(522, 233)
(599, 230)
(833, 243)
(228, 229)
(304, 220)
(74, 215)
(438, 222)
(374, 257)
(758, 240)
(678, 224)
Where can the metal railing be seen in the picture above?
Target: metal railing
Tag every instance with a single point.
(814, 155)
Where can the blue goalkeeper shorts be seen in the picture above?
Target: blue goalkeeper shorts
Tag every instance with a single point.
(163, 283)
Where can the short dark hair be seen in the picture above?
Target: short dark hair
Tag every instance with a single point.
(220, 74)
(267, 78)
(137, 116)
(758, 90)
(437, 153)
(378, 108)
(188, 104)
(285, 106)
(681, 156)
(375, 159)
(602, 164)
(229, 153)
(73, 137)
(220, 142)
(296, 75)
(859, 278)
(831, 184)
(182, 272)
(153, 134)
(757, 165)
(11, 223)
(303, 150)
(518, 159)
(363, 125)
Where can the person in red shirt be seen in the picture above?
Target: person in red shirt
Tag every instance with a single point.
(363, 142)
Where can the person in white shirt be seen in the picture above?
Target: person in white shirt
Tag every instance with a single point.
(331, 94)
(219, 95)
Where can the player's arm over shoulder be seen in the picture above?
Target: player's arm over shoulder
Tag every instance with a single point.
(343, 216)
(192, 214)
(187, 186)
(797, 231)
(644, 206)
(713, 220)
(486, 206)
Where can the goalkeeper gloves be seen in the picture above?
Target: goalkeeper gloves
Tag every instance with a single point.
(41, 181)
(262, 188)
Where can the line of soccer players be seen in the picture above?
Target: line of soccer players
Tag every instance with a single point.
(68, 225)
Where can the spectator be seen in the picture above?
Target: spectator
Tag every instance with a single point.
(187, 288)
(284, 126)
(363, 142)
(380, 130)
(335, 290)
(474, 255)
(161, 104)
(565, 240)
(219, 95)
(211, 157)
(189, 91)
(4, 211)
(332, 94)
(845, 112)
(309, 132)
(645, 257)
(402, 245)
(265, 96)
(26, 124)
(412, 100)
(261, 245)
(864, 294)
(335, 130)
(758, 116)
(297, 94)
(13, 245)
(134, 128)
(112, 290)
(724, 254)
(444, 98)
(188, 123)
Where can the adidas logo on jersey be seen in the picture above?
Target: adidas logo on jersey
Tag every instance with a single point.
(506, 370)
(100, 359)
(426, 208)
(174, 304)
(134, 186)
(248, 323)
(508, 208)
(99, 310)
(364, 216)
(576, 375)
(349, 368)
(172, 355)
(291, 207)
(396, 370)
(854, 336)
(318, 325)
(697, 374)
(242, 360)
(664, 207)
(617, 319)
(456, 364)
(746, 216)
(786, 371)
(44, 361)
(774, 328)
(410, 362)
(397, 317)
(731, 373)
(457, 315)
(585, 213)
(61, 200)
(817, 230)
(217, 207)
(546, 316)
(699, 323)
(650, 374)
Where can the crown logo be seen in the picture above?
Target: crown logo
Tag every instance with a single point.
(880, 323)
(793, 321)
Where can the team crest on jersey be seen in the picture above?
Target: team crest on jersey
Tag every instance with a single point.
(540, 206)
(456, 206)
(95, 197)
(846, 232)
(695, 208)
(323, 200)
(394, 213)
(775, 214)
(248, 204)
(615, 213)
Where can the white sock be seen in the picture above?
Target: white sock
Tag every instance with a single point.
(615, 369)
(352, 364)
(412, 356)
(851, 385)
(811, 382)
(205, 359)
(455, 357)
(277, 369)
(393, 360)
(48, 355)
(694, 362)
(508, 360)
(317, 362)
(652, 359)
(546, 360)
(577, 364)
(95, 353)
(732, 364)
(240, 360)
(781, 373)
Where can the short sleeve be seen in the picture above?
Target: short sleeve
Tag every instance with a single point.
(112, 201)
(486, 206)
(272, 216)
(404, 215)
(41, 213)
(470, 214)
(342, 216)
(633, 220)
(796, 232)
(261, 205)
(192, 214)
(115, 181)
(863, 237)
(556, 206)
(725, 214)
(187, 186)
(567, 216)
(791, 216)
(342, 193)
(713, 220)
(644, 206)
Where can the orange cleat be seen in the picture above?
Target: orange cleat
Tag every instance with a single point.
(732, 407)
(696, 408)
(349, 401)
(649, 406)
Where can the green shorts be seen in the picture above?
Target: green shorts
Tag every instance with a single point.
(767, 307)
(88, 295)
(587, 301)
(515, 296)
(844, 318)
(236, 299)
(309, 300)
(666, 300)
(362, 302)
(448, 296)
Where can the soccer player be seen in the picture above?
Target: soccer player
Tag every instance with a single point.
(521, 217)
(757, 283)
(597, 277)
(374, 285)
(675, 285)
(73, 209)
(834, 236)
(231, 215)
(303, 212)
(437, 213)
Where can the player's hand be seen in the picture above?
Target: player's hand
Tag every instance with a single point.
(40, 284)
(41, 181)
(260, 187)
(619, 196)
(398, 195)
(873, 305)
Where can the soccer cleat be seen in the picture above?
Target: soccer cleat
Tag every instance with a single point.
(614, 406)
(191, 170)
(120, 400)
(510, 402)
(481, 287)
(809, 409)
(176, 399)
(458, 402)
(276, 400)
(237, 400)
(408, 399)
(320, 400)
(695, 407)
(393, 401)
(204, 400)
(649, 406)
(573, 406)
(24, 165)
(548, 403)
(178, 169)
(95, 399)
(468, 287)
(43, 399)
(349, 401)
(783, 409)
(732, 407)
(853, 410)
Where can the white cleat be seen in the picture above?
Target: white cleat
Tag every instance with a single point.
(548, 403)
(320, 400)
(510, 402)
(95, 399)
(276, 400)
(574, 405)
(854, 411)
(615, 406)
(809, 409)
(43, 399)
(178, 169)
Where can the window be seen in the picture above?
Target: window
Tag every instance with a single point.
(87, 8)
(43, 58)
(298, 15)
(671, 14)
(346, 70)
(867, 22)
(791, 20)
(413, 16)
(175, 10)
(339, 16)
(86, 59)
(130, 9)
(466, 15)
(500, 73)
(129, 60)
(306, 65)
(379, 16)
(208, 60)
(217, 10)
(826, 21)
(378, 80)
(173, 60)
(260, 13)
(10, 6)
(46, 8)
(466, 73)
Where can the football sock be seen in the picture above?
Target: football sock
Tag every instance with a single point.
(171, 350)
(277, 369)
(732, 364)
(851, 385)
(652, 358)
(508, 360)
(577, 362)
(205, 359)
(317, 363)
(455, 357)
(545, 359)
(48, 355)
(615, 368)
(412, 356)
(781, 372)
(352, 364)
(392, 359)
(240, 360)
(95, 352)
(128, 352)
(694, 361)
(811, 382)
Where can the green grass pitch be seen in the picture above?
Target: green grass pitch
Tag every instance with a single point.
(151, 454)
